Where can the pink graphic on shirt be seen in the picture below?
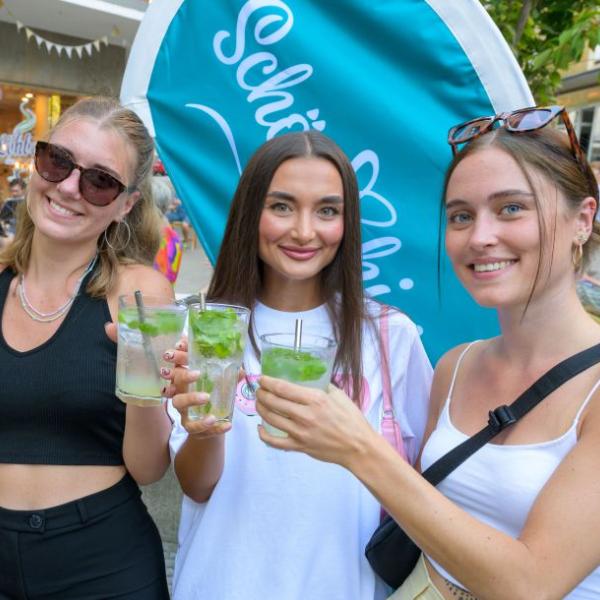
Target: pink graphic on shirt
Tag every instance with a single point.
(245, 397)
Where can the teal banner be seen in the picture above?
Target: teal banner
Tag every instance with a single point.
(386, 79)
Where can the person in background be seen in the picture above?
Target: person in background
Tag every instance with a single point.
(518, 518)
(256, 522)
(72, 523)
(176, 215)
(8, 212)
(168, 258)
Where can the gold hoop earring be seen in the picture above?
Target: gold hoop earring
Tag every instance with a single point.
(577, 256)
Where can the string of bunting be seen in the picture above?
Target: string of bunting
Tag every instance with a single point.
(69, 50)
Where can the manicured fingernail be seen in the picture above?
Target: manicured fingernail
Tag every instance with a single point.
(194, 374)
(179, 346)
(202, 396)
(168, 355)
(210, 420)
(165, 372)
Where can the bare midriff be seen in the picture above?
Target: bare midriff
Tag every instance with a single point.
(446, 588)
(36, 487)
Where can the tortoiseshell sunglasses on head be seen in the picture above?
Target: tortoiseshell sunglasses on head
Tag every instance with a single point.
(519, 121)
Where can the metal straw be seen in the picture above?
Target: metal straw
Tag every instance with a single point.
(298, 335)
(202, 301)
(145, 337)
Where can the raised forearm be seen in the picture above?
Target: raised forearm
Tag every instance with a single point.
(145, 445)
(492, 565)
(199, 464)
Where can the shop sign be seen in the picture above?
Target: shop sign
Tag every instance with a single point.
(16, 146)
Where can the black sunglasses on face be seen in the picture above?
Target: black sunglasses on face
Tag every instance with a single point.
(96, 186)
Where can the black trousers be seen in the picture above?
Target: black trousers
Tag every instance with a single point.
(100, 547)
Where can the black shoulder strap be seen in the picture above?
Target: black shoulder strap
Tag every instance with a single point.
(503, 416)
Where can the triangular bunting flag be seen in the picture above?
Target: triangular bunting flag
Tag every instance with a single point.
(39, 40)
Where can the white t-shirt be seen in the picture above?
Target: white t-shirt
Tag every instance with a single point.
(282, 525)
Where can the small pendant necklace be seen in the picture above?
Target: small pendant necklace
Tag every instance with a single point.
(42, 317)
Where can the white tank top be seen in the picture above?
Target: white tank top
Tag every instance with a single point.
(499, 483)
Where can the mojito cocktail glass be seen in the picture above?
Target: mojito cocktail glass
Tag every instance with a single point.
(217, 337)
(309, 364)
(145, 332)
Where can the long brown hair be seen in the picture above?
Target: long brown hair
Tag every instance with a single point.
(237, 276)
(136, 240)
(548, 152)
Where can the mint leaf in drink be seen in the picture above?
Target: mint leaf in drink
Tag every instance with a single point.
(292, 365)
(167, 321)
(156, 321)
(217, 333)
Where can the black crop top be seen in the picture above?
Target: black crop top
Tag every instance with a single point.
(57, 401)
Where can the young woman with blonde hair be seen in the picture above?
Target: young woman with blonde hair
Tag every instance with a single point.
(72, 524)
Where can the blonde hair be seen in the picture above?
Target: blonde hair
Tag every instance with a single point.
(137, 237)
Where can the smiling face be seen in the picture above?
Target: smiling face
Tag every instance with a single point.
(493, 230)
(302, 224)
(58, 210)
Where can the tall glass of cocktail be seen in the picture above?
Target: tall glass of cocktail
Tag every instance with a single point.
(309, 363)
(217, 337)
(147, 327)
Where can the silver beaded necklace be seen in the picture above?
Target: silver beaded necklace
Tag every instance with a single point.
(42, 317)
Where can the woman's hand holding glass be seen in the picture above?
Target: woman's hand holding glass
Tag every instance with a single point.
(179, 379)
(326, 425)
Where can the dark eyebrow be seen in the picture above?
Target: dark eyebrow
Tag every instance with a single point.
(333, 199)
(94, 166)
(281, 195)
(495, 196)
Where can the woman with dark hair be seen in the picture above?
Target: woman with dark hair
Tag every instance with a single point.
(518, 518)
(72, 523)
(258, 523)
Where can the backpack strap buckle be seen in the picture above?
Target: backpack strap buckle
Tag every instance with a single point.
(500, 418)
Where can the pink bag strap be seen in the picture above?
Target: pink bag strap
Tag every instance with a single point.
(389, 426)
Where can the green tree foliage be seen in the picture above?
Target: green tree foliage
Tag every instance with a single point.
(547, 37)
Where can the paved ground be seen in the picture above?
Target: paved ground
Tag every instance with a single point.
(195, 272)
(163, 499)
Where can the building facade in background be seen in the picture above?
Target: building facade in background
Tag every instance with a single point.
(48, 59)
(580, 93)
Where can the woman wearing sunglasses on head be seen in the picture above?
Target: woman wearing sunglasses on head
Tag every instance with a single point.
(518, 518)
(72, 524)
(257, 522)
